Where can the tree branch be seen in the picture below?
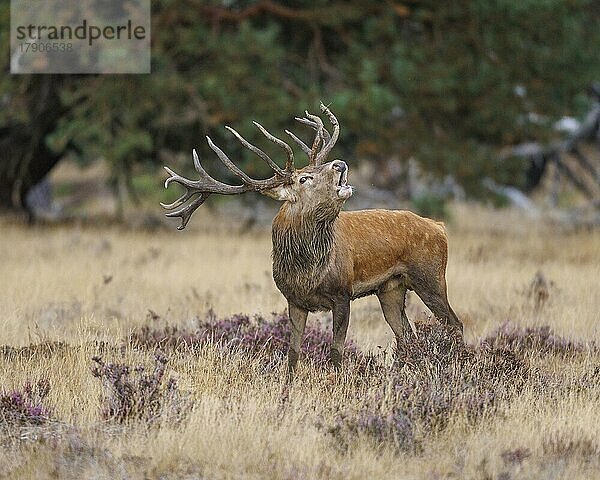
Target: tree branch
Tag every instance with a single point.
(336, 12)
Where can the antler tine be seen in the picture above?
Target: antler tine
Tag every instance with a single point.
(322, 135)
(185, 212)
(305, 148)
(228, 163)
(314, 126)
(197, 191)
(181, 200)
(258, 152)
(318, 137)
(202, 188)
(249, 183)
(184, 182)
(289, 164)
(331, 143)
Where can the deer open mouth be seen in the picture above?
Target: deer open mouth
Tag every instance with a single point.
(343, 189)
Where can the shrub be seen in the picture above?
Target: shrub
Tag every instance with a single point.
(516, 456)
(253, 335)
(26, 406)
(132, 394)
(539, 340)
(437, 378)
(538, 291)
(443, 376)
(393, 428)
(566, 446)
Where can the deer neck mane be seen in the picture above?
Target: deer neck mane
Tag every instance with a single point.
(302, 248)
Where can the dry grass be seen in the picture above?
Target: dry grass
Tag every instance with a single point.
(90, 288)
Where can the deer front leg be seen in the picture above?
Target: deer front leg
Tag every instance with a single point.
(341, 318)
(298, 320)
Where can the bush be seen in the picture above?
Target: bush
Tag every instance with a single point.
(143, 397)
(253, 335)
(442, 376)
(437, 378)
(26, 406)
(393, 428)
(539, 340)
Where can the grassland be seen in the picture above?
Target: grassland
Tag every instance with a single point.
(71, 293)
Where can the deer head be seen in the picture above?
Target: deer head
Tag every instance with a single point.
(317, 187)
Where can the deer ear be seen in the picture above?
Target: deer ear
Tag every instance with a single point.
(283, 193)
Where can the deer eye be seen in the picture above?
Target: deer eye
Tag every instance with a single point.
(304, 179)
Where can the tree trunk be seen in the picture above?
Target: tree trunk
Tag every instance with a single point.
(25, 159)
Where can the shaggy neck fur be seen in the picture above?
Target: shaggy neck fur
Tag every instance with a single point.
(302, 246)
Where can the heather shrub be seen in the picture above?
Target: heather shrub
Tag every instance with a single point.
(443, 376)
(435, 346)
(539, 291)
(436, 378)
(515, 456)
(258, 335)
(562, 446)
(130, 393)
(540, 340)
(25, 406)
(393, 428)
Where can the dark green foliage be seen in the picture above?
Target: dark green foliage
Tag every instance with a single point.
(445, 82)
(430, 205)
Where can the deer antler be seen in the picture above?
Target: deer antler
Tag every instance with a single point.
(328, 146)
(316, 156)
(197, 191)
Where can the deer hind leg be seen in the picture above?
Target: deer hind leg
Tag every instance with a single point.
(298, 320)
(432, 290)
(392, 303)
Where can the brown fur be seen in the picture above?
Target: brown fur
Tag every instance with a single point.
(384, 240)
(324, 258)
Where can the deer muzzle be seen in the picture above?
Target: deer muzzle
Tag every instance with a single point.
(344, 190)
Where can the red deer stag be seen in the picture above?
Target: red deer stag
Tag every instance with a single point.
(322, 257)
